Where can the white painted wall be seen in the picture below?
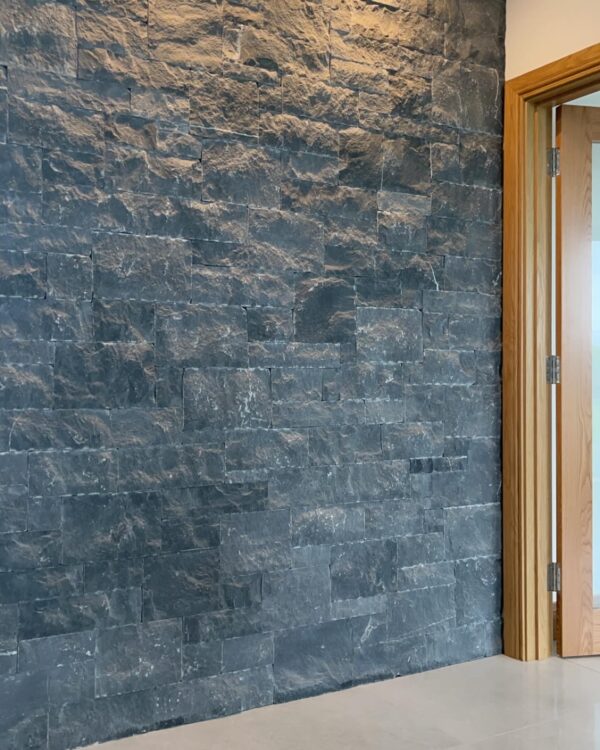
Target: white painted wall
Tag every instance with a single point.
(541, 31)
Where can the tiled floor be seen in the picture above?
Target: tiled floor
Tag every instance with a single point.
(493, 704)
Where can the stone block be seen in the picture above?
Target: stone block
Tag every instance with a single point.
(475, 333)
(467, 96)
(293, 354)
(270, 324)
(349, 250)
(47, 41)
(49, 239)
(307, 166)
(406, 166)
(21, 168)
(465, 39)
(181, 584)
(69, 276)
(277, 449)
(481, 159)
(29, 549)
(421, 549)
(473, 530)
(323, 201)
(3, 115)
(40, 583)
(49, 126)
(332, 525)
(201, 659)
(472, 412)
(324, 309)
(412, 440)
(313, 660)
(459, 237)
(23, 274)
(165, 467)
(178, 536)
(108, 575)
(291, 488)
(294, 240)
(226, 398)
(75, 472)
(317, 413)
(188, 34)
(398, 518)
(123, 320)
(78, 613)
(247, 651)
(464, 643)
(311, 98)
(361, 157)
(478, 589)
(298, 135)
(388, 335)
(372, 480)
(224, 104)
(138, 426)
(364, 380)
(104, 375)
(425, 575)
(211, 500)
(110, 526)
(63, 168)
(296, 597)
(25, 386)
(240, 173)
(296, 384)
(360, 569)
(13, 509)
(202, 336)
(134, 268)
(137, 657)
(38, 654)
(24, 710)
(255, 541)
(345, 444)
(421, 610)
(232, 286)
(120, 33)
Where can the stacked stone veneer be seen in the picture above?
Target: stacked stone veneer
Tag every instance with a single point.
(250, 316)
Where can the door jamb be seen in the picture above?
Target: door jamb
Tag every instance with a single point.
(526, 430)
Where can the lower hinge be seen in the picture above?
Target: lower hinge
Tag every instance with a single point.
(553, 369)
(554, 577)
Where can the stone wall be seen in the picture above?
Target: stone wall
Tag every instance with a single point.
(250, 319)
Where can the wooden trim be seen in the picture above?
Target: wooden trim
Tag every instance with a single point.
(526, 342)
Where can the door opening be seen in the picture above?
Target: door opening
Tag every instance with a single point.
(578, 394)
(527, 344)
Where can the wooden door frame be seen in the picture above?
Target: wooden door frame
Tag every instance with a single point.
(526, 424)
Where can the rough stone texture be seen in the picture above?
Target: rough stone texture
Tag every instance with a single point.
(250, 280)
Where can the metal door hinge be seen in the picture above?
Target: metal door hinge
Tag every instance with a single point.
(553, 369)
(553, 162)
(554, 577)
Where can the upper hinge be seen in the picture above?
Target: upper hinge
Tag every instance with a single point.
(553, 369)
(554, 577)
(553, 162)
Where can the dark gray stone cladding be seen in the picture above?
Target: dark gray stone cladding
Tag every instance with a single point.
(250, 364)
